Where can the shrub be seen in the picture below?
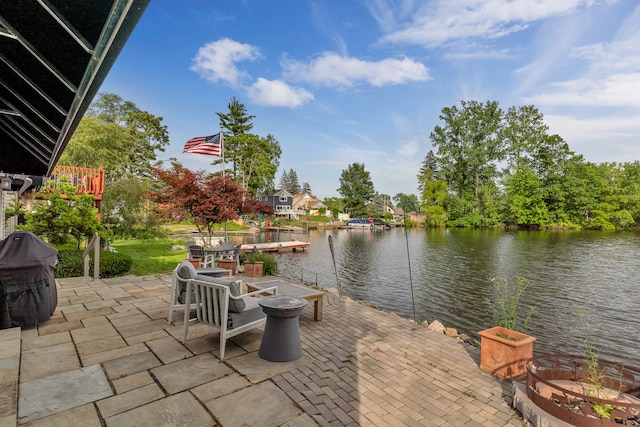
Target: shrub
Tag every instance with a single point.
(112, 264)
(69, 264)
(270, 267)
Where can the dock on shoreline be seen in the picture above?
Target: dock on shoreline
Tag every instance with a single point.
(291, 245)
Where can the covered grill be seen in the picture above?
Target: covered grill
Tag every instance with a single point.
(28, 294)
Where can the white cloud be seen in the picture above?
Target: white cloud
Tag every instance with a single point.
(409, 149)
(325, 25)
(611, 77)
(216, 61)
(277, 93)
(599, 139)
(402, 124)
(437, 23)
(618, 55)
(617, 90)
(333, 70)
(480, 53)
(601, 128)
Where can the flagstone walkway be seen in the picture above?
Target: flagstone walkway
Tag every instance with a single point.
(109, 357)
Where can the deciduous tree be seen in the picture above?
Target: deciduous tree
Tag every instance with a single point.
(206, 198)
(408, 202)
(124, 140)
(335, 205)
(469, 146)
(117, 136)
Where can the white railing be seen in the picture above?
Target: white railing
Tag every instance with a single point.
(292, 214)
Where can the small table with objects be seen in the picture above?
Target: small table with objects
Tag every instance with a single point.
(281, 338)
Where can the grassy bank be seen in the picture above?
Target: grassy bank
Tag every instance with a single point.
(152, 256)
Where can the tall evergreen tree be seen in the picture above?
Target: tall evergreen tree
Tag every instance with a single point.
(255, 159)
(294, 187)
(289, 182)
(306, 188)
(235, 123)
(356, 188)
(428, 170)
(284, 180)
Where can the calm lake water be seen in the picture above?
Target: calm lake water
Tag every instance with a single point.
(445, 274)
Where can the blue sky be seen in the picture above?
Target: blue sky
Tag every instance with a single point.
(338, 82)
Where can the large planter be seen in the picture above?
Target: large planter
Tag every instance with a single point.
(505, 353)
(562, 385)
(253, 269)
(228, 264)
(195, 261)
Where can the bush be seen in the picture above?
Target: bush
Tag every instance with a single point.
(69, 264)
(112, 264)
(270, 267)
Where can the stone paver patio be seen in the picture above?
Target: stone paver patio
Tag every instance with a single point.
(109, 357)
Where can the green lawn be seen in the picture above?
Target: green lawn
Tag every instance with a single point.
(152, 256)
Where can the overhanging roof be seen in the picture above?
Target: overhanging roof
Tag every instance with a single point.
(54, 55)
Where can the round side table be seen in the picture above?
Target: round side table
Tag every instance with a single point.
(281, 338)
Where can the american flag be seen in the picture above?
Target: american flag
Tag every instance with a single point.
(208, 145)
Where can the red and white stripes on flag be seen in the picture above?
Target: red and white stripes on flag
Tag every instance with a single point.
(207, 145)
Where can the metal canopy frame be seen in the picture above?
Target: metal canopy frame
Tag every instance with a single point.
(54, 55)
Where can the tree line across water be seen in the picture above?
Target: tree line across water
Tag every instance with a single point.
(488, 167)
(493, 167)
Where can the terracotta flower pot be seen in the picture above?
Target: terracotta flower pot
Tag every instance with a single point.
(195, 262)
(228, 264)
(253, 269)
(504, 353)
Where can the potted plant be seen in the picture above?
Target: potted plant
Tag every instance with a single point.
(253, 268)
(258, 263)
(506, 348)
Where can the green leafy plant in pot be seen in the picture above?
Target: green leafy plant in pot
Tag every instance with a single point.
(268, 263)
(506, 348)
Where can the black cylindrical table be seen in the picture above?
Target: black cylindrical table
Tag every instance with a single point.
(281, 339)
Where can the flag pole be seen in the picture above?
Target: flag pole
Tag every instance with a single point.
(222, 149)
(223, 168)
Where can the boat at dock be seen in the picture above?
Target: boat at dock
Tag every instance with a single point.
(292, 245)
(291, 228)
(366, 223)
(359, 223)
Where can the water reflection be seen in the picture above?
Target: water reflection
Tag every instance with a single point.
(450, 271)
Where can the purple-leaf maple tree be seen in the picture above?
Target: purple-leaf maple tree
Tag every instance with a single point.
(206, 198)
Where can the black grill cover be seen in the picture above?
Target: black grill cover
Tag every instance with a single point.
(28, 294)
